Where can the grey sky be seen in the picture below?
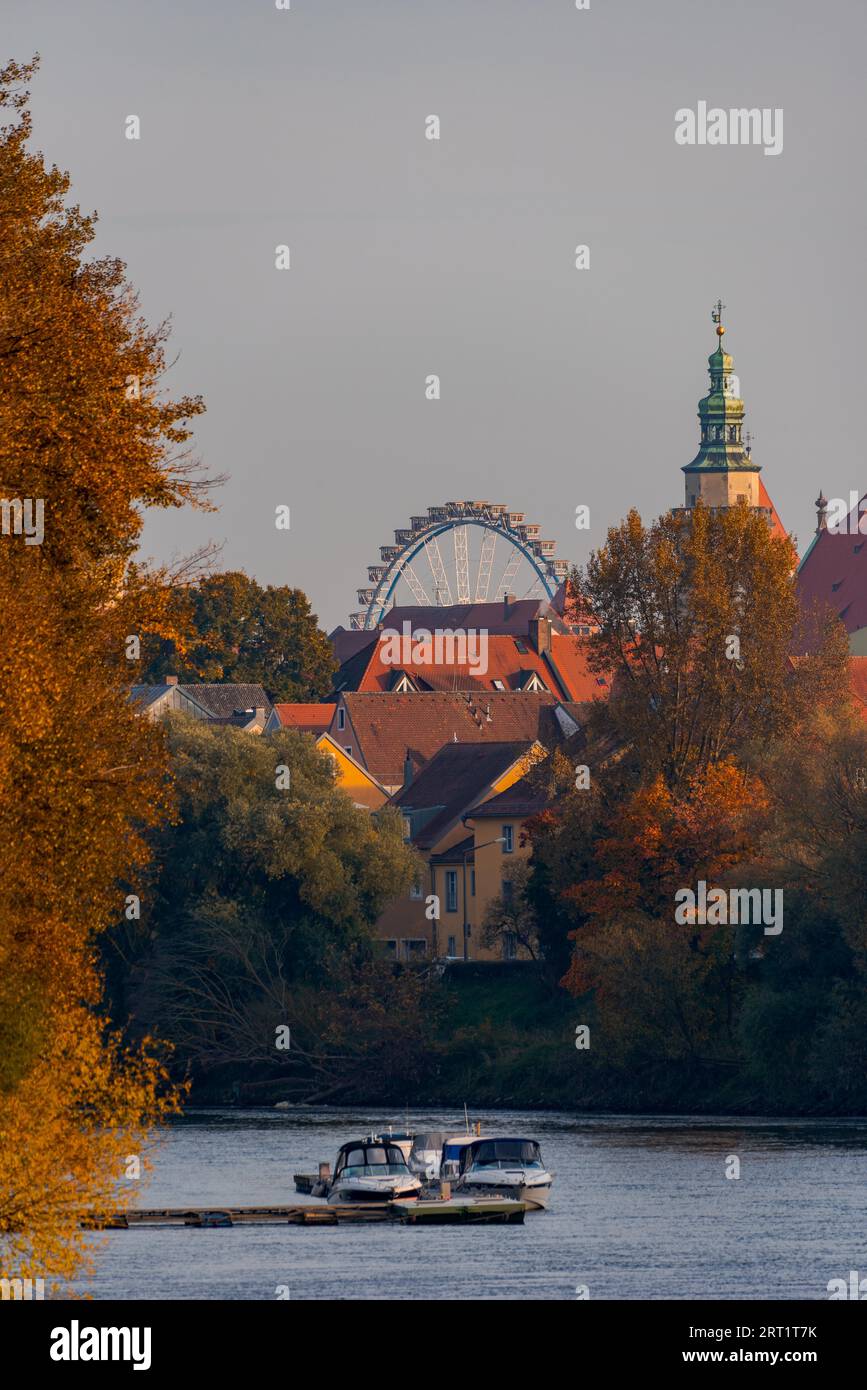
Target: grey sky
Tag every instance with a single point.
(412, 257)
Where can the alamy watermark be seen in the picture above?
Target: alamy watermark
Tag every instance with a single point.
(23, 517)
(844, 518)
(730, 906)
(443, 646)
(737, 126)
(22, 1290)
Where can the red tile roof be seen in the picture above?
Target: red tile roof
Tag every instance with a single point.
(309, 719)
(833, 574)
(452, 783)
(383, 728)
(777, 527)
(510, 659)
(521, 799)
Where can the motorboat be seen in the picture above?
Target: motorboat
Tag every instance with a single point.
(452, 1155)
(425, 1155)
(372, 1170)
(502, 1166)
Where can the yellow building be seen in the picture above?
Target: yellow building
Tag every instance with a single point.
(441, 915)
(354, 779)
(500, 843)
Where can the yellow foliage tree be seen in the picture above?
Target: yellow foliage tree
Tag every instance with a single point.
(88, 440)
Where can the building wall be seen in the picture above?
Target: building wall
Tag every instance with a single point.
(722, 489)
(404, 919)
(353, 779)
(493, 865)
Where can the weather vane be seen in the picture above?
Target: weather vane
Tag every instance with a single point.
(748, 441)
(716, 315)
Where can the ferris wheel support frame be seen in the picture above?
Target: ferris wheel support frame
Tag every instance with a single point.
(382, 598)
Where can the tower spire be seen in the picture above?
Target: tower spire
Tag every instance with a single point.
(722, 472)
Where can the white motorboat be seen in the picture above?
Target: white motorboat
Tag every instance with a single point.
(503, 1166)
(372, 1170)
(426, 1154)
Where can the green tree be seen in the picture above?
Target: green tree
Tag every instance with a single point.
(240, 631)
(269, 886)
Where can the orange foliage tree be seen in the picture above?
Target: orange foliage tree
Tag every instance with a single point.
(698, 619)
(88, 440)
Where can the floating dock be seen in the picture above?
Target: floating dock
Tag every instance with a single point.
(457, 1212)
(452, 1212)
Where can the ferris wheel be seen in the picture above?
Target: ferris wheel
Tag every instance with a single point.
(451, 556)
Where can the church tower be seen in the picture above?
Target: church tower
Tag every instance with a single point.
(723, 472)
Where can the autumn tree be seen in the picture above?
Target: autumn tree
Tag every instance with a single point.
(88, 440)
(667, 986)
(698, 622)
(239, 630)
(699, 619)
(803, 1027)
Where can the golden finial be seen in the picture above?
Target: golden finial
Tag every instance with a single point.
(716, 315)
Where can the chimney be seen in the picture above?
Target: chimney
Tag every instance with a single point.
(540, 634)
(408, 771)
(821, 505)
(170, 680)
(260, 714)
(508, 604)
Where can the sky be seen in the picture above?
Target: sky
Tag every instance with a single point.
(411, 257)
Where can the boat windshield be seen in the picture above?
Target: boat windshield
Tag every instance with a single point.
(372, 1161)
(507, 1153)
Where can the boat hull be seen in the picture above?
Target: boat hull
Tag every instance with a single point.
(361, 1191)
(533, 1195)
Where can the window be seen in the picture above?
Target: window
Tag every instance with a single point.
(452, 946)
(507, 890)
(348, 749)
(498, 685)
(520, 644)
(389, 949)
(508, 834)
(377, 1160)
(472, 883)
(451, 890)
(415, 891)
(341, 718)
(534, 683)
(510, 944)
(414, 948)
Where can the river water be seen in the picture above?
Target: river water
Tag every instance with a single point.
(641, 1209)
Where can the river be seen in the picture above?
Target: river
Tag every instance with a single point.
(641, 1209)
